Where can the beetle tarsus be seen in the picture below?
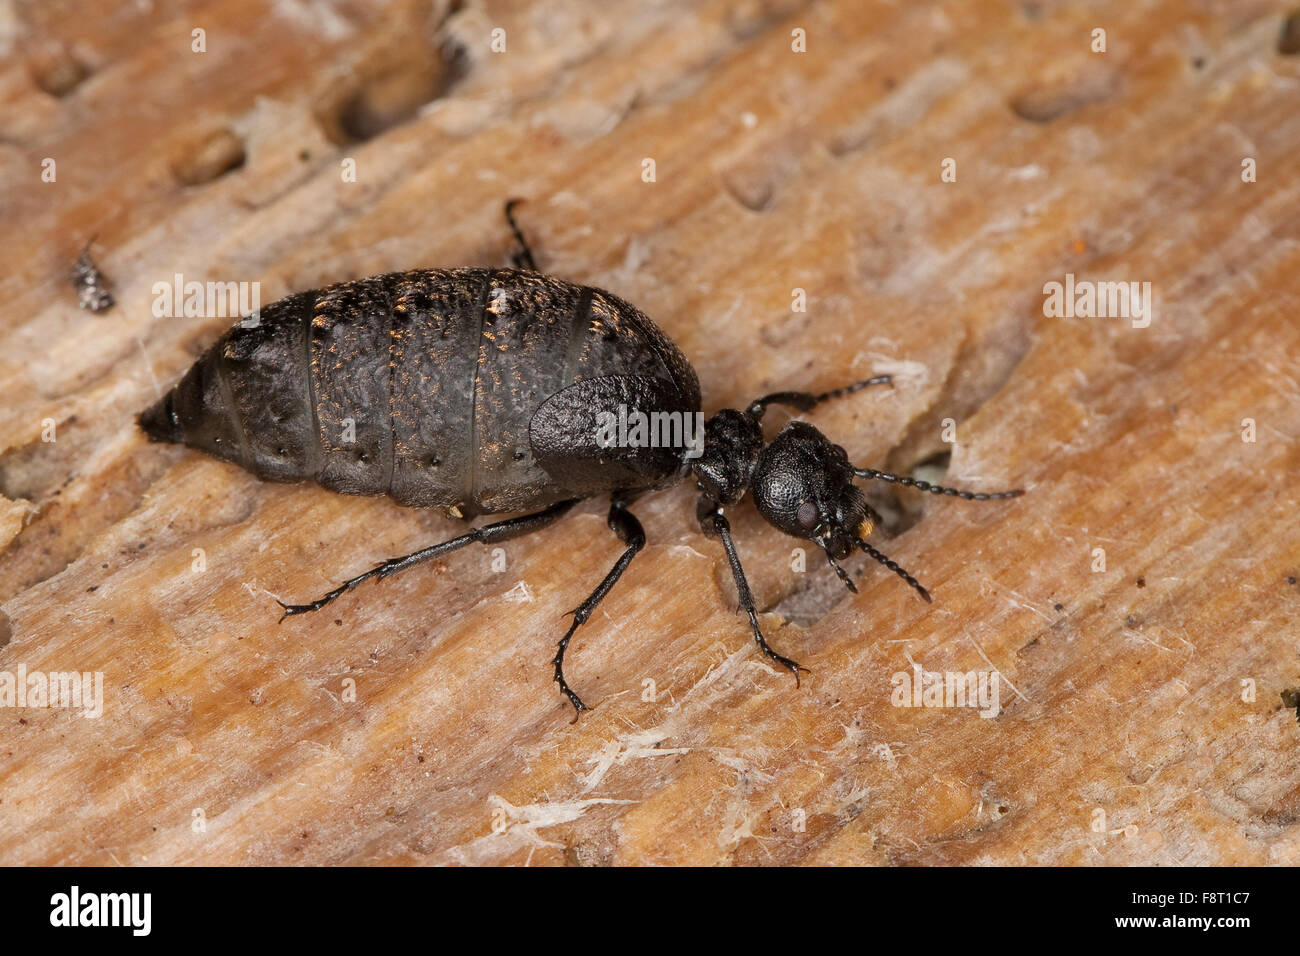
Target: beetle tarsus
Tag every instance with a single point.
(291, 609)
(565, 689)
(794, 667)
(807, 401)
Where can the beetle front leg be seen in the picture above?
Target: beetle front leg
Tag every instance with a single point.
(807, 401)
(711, 512)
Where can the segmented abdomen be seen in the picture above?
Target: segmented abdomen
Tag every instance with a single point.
(420, 385)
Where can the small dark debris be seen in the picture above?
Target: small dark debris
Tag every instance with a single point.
(338, 621)
(1132, 621)
(1141, 582)
(419, 758)
(1198, 62)
(22, 720)
(1291, 700)
(92, 288)
(1290, 579)
(1058, 607)
(92, 589)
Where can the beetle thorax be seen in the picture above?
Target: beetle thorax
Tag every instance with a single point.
(732, 443)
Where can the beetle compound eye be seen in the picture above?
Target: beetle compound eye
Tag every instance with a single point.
(807, 514)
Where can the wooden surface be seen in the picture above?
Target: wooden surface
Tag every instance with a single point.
(1128, 731)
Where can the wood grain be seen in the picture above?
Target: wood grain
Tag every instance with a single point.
(1141, 715)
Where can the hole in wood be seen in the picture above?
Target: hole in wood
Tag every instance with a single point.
(389, 89)
(902, 508)
(1288, 41)
(214, 155)
(57, 72)
(1050, 101)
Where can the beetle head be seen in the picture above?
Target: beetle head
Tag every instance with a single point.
(803, 485)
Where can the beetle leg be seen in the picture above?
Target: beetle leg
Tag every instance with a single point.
(487, 534)
(722, 528)
(523, 258)
(806, 401)
(624, 524)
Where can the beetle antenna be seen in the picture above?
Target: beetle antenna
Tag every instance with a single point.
(844, 575)
(897, 569)
(937, 489)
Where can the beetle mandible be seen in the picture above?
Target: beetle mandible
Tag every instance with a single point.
(487, 391)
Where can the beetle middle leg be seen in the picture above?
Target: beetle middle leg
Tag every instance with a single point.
(624, 524)
(713, 520)
(487, 534)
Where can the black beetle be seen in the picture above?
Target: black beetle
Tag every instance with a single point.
(484, 391)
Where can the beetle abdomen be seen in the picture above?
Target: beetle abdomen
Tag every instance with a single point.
(245, 400)
(421, 385)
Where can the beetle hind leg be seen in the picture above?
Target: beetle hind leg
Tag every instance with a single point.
(487, 534)
(624, 524)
